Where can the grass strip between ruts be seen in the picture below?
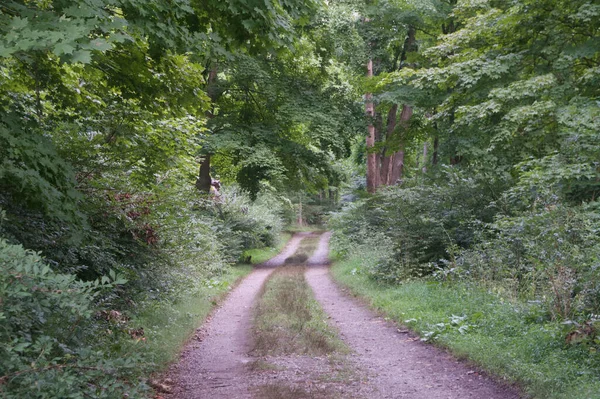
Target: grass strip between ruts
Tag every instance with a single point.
(287, 318)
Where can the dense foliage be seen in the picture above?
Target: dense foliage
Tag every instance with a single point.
(117, 117)
(48, 334)
(505, 94)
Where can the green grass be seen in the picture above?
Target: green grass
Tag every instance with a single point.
(260, 255)
(168, 327)
(514, 341)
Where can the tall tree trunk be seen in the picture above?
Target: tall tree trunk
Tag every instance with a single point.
(398, 160)
(424, 158)
(204, 181)
(396, 163)
(372, 164)
(386, 162)
(436, 144)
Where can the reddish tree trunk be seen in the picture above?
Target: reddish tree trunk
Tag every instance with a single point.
(395, 163)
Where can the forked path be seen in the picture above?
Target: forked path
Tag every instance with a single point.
(215, 366)
(398, 365)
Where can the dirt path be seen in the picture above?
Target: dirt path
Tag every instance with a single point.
(383, 363)
(215, 366)
(399, 365)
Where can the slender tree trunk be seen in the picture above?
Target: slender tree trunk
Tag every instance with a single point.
(386, 162)
(300, 217)
(454, 159)
(398, 161)
(204, 181)
(424, 158)
(39, 110)
(436, 144)
(372, 165)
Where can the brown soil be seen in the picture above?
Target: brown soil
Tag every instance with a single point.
(383, 362)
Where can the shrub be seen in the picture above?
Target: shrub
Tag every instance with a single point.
(549, 253)
(52, 346)
(413, 226)
(240, 223)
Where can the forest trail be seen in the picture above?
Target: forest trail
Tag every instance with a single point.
(384, 362)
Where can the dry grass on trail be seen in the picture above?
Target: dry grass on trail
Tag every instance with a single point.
(289, 320)
(262, 365)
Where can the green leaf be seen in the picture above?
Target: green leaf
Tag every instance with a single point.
(82, 56)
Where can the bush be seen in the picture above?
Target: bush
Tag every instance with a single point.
(52, 344)
(166, 241)
(416, 228)
(240, 223)
(549, 253)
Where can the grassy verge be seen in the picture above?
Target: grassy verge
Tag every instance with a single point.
(511, 340)
(260, 255)
(167, 327)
